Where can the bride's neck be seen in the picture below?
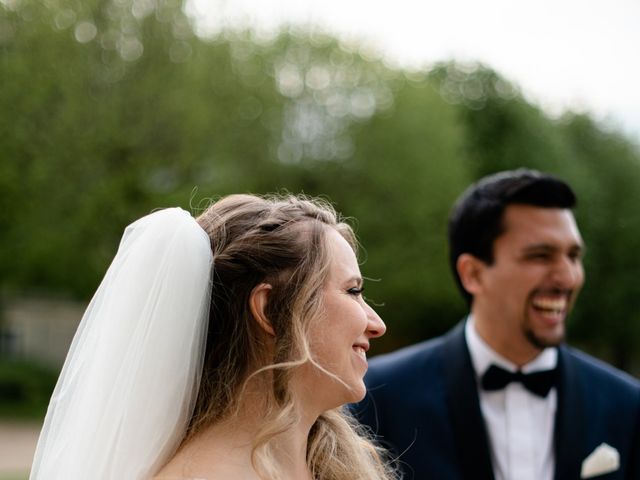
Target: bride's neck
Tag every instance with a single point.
(288, 447)
(231, 440)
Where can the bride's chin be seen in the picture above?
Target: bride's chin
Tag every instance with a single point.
(355, 393)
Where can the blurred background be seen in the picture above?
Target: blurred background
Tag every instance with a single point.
(112, 108)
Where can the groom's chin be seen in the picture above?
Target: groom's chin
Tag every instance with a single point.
(544, 340)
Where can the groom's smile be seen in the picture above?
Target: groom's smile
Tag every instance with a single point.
(545, 319)
(550, 306)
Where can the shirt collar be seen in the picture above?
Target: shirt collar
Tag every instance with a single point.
(483, 356)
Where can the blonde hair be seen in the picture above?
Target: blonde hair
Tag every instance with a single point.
(280, 241)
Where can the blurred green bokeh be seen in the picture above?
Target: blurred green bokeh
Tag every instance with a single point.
(112, 108)
(25, 389)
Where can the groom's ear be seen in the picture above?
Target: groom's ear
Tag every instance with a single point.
(258, 304)
(470, 270)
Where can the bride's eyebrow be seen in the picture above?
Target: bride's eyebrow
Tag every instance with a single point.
(356, 278)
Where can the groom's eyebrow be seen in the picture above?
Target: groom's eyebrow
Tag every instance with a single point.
(539, 247)
(575, 249)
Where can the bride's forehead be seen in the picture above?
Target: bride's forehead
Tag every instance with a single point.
(343, 261)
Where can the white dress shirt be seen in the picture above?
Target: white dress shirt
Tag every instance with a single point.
(519, 423)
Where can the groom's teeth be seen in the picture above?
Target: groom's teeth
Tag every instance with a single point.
(360, 351)
(556, 305)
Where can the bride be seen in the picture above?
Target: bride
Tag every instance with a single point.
(220, 348)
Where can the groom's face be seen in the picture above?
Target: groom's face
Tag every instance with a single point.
(528, 290)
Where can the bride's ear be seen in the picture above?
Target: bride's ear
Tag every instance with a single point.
(258, 304)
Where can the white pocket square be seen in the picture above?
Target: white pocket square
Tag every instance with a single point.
(603, 459)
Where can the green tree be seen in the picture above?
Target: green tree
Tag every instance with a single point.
(111, 108)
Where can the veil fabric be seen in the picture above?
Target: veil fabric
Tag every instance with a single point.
(127, 389)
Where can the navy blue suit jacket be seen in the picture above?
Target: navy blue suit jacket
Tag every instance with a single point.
(422, 401)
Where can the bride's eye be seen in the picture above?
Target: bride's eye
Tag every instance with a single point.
(355, 291)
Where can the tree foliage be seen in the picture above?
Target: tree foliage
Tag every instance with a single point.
(111, 108)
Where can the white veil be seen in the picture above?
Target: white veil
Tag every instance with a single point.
(127, 389)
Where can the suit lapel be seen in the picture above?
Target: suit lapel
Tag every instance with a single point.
(570, 420)
(469, 430)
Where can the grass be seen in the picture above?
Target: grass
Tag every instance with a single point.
(14, 476)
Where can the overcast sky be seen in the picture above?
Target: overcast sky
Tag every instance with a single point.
(578, 54)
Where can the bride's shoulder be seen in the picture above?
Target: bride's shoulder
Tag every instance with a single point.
(200, 462)
(165, 477)
(223, 472)
(214, 454)
(199, 472)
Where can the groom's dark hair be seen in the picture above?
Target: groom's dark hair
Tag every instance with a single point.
(476, 218)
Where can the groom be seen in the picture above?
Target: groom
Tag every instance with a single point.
(500, 397)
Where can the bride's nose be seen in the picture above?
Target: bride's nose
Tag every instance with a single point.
(375, 326)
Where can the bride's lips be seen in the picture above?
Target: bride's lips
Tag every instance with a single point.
(361, 350)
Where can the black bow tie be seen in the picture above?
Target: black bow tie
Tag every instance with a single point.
(538, 383)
